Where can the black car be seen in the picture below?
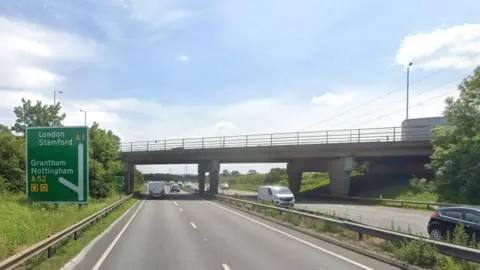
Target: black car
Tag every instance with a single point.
(445, 219)
(175, 188)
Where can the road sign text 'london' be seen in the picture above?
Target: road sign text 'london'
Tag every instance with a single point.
(57, 164)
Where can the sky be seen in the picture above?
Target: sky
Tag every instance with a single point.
(155, 70)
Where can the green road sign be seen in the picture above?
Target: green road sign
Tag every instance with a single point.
(119, 182)
(57, 164)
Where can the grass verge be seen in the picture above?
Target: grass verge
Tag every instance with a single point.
(417, 253)
(68, 249)
(24, 223)
(244, 187)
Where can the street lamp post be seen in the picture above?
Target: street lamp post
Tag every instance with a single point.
(55, 96)
(408, 84)
(85, 116)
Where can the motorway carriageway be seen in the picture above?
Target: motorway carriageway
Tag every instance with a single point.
(374, 215)
(185, 232)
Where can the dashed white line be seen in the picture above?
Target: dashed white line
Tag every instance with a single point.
(175, 203)
(109, 249)
(181, 210)
(294, 237)
(193, 225)
(225, 266)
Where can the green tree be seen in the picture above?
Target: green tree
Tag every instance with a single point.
(12, 161)
(275, 175)
(104, 160)
(251, 171)
(38, 115)
(235, 173)
(138, 181)
(456, 155)
(225, 173)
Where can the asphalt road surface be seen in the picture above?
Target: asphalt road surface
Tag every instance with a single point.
(186, 232)
(403, 219)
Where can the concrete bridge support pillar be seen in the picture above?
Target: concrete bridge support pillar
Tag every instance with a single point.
(128, 176)
(339, 173)
(294, 178)
(202, 169)
(214, 169)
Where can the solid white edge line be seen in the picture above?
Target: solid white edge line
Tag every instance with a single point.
(294, 237)
(225, 266)
(80, 256)
(193, 225)
(110, 247)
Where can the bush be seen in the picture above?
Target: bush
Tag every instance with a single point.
(417, 252)
(418, 185)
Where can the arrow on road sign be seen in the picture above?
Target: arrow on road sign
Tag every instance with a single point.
(78, 189)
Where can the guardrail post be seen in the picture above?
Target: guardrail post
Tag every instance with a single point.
(131, 147)
(164, 144)
(246, 140)
(358, 135)
(327, 136)
(183, 143)
(224, 142)
(271, 139)
(360, 236)
(75, 235)
(394, 129)
(203, 142)
(147, 145)
(298, 138)
(49, 252)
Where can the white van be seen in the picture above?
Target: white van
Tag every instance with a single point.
(156, 189)
(276, 194)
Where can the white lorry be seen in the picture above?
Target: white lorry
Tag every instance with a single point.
(156, 189)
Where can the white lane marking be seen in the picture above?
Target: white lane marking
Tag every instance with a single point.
(225, 266)
(175, 203)
(109, 249)
(294, 237)
(75, 261)
(181, 210)
(193, 225)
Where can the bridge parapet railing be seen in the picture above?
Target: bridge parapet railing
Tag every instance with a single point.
(385, 134)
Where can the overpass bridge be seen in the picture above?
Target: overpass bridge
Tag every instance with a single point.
(383, 150)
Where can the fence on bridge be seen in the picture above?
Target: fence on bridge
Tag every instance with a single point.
(388, 134)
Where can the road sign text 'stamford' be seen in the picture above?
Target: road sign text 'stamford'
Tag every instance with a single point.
(57, 164)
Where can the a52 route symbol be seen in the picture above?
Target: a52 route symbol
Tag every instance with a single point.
(40, 178)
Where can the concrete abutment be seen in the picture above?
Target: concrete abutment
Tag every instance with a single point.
(213, 169)
(339, 170)
(129, 177)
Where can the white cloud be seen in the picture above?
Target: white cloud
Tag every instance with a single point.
(455, 47)
(26, 48)
(183, 58)
(329, 99)
(155, 13)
